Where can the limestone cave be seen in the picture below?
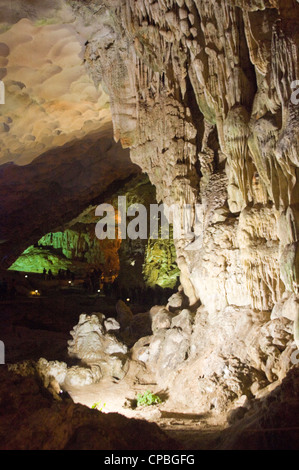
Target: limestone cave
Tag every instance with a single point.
(174, 325)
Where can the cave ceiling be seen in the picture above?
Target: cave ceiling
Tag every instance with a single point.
(50, 99)
(57, 150)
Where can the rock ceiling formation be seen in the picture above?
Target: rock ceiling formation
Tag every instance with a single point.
(136, 263)
(56, 137)
(50, 100)
(202, 92)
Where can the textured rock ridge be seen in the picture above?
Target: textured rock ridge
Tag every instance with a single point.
(55, 188)
(201, 93)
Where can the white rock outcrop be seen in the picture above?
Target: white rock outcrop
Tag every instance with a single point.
(98, 351)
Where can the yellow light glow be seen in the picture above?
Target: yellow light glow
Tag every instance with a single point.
(35, 293)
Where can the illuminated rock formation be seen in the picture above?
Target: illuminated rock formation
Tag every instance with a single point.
(203, 95)
(67, 425)
(43, 72)
(136, 263)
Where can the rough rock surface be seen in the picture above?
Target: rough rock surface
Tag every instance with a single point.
(66, 425)
(212, 361)
(271, 423)
(193, 87)
(55, 188)
(99, 352)
(124, 314)
(202, 92)
(43, 72)
(203, 95)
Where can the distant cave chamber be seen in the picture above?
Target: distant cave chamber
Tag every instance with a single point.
(133, 264)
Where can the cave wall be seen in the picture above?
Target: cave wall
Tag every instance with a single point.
(57, 152)
(201, 92)
(56, 187)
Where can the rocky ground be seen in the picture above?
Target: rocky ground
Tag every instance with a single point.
(32, 420)
(42, 423)
(76, 375)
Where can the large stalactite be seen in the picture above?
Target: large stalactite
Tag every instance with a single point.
(201, 92)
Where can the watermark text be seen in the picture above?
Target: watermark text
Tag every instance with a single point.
(134, 222)
(2, 353)
(2, 92)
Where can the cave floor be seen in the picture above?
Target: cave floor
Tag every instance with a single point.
(32, 328)
(191, 431)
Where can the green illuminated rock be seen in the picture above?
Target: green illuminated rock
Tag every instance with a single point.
(160, 266)
(138, 263)
(35, 260)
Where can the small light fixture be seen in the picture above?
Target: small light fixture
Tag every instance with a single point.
(70, 282)
(26, 276)
(35, 293)
(128, 300)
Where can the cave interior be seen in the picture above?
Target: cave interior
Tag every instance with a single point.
(176, 115)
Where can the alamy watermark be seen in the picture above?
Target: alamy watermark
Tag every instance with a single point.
(2, 92)
(114, 223)
(295, 94)
(2, 353)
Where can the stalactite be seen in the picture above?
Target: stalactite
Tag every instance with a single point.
(239, 74)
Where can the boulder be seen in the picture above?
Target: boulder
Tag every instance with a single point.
(77, 376)
(100, 352)
(90, 341)
(124, 315)
(140, 350)
(176, 301)
(161, 320)
(111, 324)
(50, 374)
(184, 321)
(174, 350)
(51, 369)
(288, 308)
